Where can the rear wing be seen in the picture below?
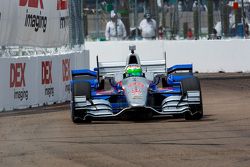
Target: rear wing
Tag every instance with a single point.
(84, 75)
(156, 66)
(180, 68)
(77, 73)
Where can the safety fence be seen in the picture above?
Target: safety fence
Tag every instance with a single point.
(176, 19)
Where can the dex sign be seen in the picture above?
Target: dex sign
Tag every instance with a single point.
(31, 3)
(66, 69)
(62, 4)
(17, 81)
(17, 77)
(47, 78)
(46, 72)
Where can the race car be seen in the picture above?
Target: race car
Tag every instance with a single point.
(135, 89)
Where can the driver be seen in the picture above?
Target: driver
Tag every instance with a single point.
(133, 71)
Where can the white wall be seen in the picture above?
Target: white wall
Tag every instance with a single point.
(205, 55)
(31, 81)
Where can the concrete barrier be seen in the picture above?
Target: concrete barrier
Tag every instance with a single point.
(31, 81)
(206, 55)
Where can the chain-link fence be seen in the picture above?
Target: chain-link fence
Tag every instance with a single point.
(76, 24)
(176, 19)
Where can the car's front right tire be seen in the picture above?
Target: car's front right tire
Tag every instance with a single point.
(79, 118)
(196, 111)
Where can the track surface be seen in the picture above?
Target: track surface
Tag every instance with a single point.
(47, 137)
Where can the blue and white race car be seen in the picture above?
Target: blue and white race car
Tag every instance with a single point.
(135, 90)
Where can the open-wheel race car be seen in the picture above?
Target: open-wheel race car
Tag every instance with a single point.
(135, 90)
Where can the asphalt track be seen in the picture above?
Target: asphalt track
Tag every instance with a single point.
(46, 136)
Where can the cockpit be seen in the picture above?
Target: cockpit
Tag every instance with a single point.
(133, 70)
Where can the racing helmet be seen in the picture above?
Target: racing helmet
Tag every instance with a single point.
(133, 71)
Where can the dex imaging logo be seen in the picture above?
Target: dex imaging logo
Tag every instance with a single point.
(32, 19)
(47, 78)
(62, 4)
(66, 73)
(31, 3)
(66, 69)
(46, 72)
(17, 81)
(17, 75)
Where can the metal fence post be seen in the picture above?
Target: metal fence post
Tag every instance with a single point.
(97, 19)
(243, 17)
(136, 20)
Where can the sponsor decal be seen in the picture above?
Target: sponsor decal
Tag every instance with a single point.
(46, 72)
(136, 92)
(47, 78)
(21, 94)
(63, 5)
(66, 73)
(64, 22)
(17, 81)
(31, 3)
(67, 88)
(49, 91)
(66, 69)
(17, 77)
(139, 84)
(36, 21)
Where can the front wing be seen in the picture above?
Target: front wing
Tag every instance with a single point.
(103, 106)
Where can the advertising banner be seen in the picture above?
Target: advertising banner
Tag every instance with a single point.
(31, 81)
(47, 80)
(54, 74)
(66, 64)
(19, 88)
(39, 23)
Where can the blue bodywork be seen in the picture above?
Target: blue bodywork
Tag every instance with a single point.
(116, 95)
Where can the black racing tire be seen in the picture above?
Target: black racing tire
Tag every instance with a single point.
(74, 118)
(80, 89)
(190, 84)
(79, 118)
(177, 116)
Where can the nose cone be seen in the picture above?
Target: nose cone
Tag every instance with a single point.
(136, 91)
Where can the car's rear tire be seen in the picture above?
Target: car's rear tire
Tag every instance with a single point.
(193, 84)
